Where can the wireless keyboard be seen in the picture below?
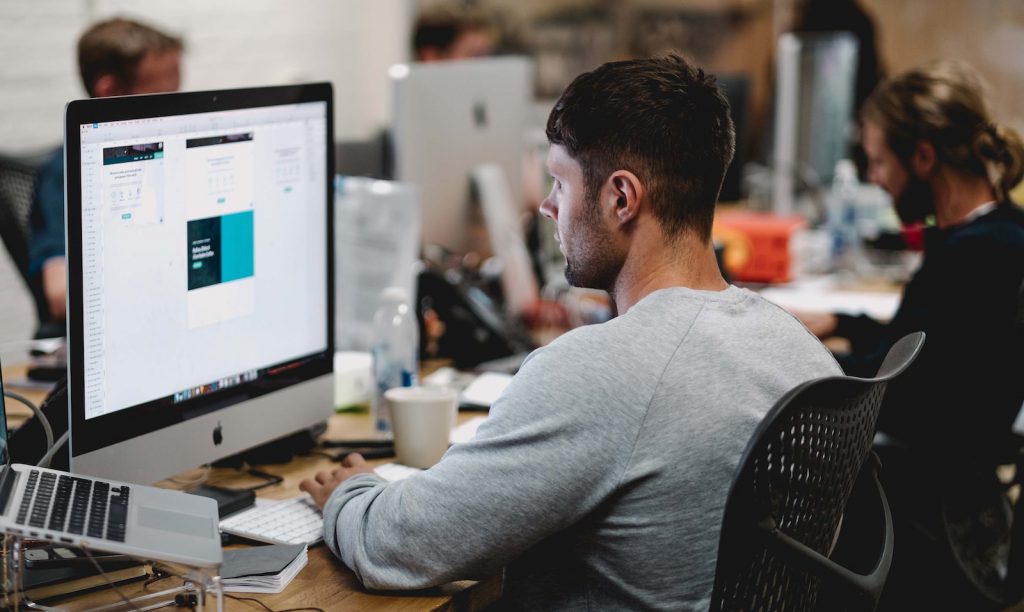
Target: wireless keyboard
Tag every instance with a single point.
(296, 520)
(289, 521)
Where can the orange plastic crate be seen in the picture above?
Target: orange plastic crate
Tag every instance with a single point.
(757, 244)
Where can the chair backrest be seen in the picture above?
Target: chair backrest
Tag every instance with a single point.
(17, 190)
(17, 195)
(796, 476)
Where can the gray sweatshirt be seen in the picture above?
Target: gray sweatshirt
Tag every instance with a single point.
(599, 479)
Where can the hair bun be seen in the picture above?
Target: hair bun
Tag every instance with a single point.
(1002, 150)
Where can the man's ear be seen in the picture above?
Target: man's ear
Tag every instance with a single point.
(107, 85)
(429, 54)
(924, 159)
(626, 193)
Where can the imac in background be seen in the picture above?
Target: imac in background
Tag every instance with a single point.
(200, 275)
(459, 130)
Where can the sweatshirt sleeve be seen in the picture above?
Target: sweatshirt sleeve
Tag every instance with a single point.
(46, 222)
(550, 452)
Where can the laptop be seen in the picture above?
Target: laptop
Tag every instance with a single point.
(94, 514)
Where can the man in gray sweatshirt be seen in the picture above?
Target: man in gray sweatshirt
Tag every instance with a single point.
(599, 479)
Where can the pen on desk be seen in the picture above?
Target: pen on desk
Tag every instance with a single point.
(357, 443)
(367, 453)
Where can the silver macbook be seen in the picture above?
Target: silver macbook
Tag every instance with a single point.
(146, 522)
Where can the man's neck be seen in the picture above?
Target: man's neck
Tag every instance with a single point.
(691, 264)
(957, 195)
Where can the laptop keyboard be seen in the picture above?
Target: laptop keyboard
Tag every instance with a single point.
(61, 502)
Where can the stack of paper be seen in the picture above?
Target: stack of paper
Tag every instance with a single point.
(262, 569)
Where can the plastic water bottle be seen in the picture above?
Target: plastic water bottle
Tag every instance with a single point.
(395, 346)
(842, 216)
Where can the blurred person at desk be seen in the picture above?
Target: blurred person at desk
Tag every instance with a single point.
(116, 57)
(932, 144)
(447, 32)
(599, 479)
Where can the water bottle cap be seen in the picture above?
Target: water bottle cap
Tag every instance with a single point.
(395, 294)
(845, 168)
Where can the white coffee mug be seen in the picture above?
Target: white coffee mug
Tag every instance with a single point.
(421, 420)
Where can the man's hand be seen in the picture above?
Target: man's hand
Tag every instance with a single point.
(325, 482)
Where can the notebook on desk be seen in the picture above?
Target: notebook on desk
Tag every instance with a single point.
(96, 514)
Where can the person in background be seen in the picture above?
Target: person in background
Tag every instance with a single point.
(115, 57)
(599, 479)
(445, 32)
(933, 146)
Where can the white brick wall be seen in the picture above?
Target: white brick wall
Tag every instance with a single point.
(229, 43)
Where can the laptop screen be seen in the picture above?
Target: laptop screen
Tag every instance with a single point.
(3, 424)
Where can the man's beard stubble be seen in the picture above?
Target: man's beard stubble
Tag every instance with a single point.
(916, 203)
(591, 261)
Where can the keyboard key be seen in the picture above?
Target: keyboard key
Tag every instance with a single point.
(61, 502)
(118, 518)
(26, 498)
(98, 509)
(41, 505)
(79, 505)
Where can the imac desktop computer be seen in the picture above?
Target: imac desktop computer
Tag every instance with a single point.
(200, 275)
(448, 119)
(459, 135)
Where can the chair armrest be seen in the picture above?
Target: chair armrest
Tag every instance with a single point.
(868, 585)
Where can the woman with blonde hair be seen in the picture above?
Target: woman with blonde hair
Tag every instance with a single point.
(933, 145)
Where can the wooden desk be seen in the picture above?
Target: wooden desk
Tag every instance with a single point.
(325, 582)
(16, 411)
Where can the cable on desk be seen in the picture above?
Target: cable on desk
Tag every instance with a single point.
(268, 608)
(197, 481)
(272, 479)
(44, 461)
(106, 578)
(45, 422)
(367, 453)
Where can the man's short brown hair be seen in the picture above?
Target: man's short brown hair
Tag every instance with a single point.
(116, 47)
(663, 119)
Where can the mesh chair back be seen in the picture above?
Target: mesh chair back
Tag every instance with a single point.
(17, 195)
(798, 471)
(17, 190)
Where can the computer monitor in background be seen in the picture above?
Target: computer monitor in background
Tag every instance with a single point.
(450, 118)
(736, 88)
(814, 107)
(200, 275)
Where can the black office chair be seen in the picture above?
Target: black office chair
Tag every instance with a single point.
(17, 193)
(777, 549)
(983, 523)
